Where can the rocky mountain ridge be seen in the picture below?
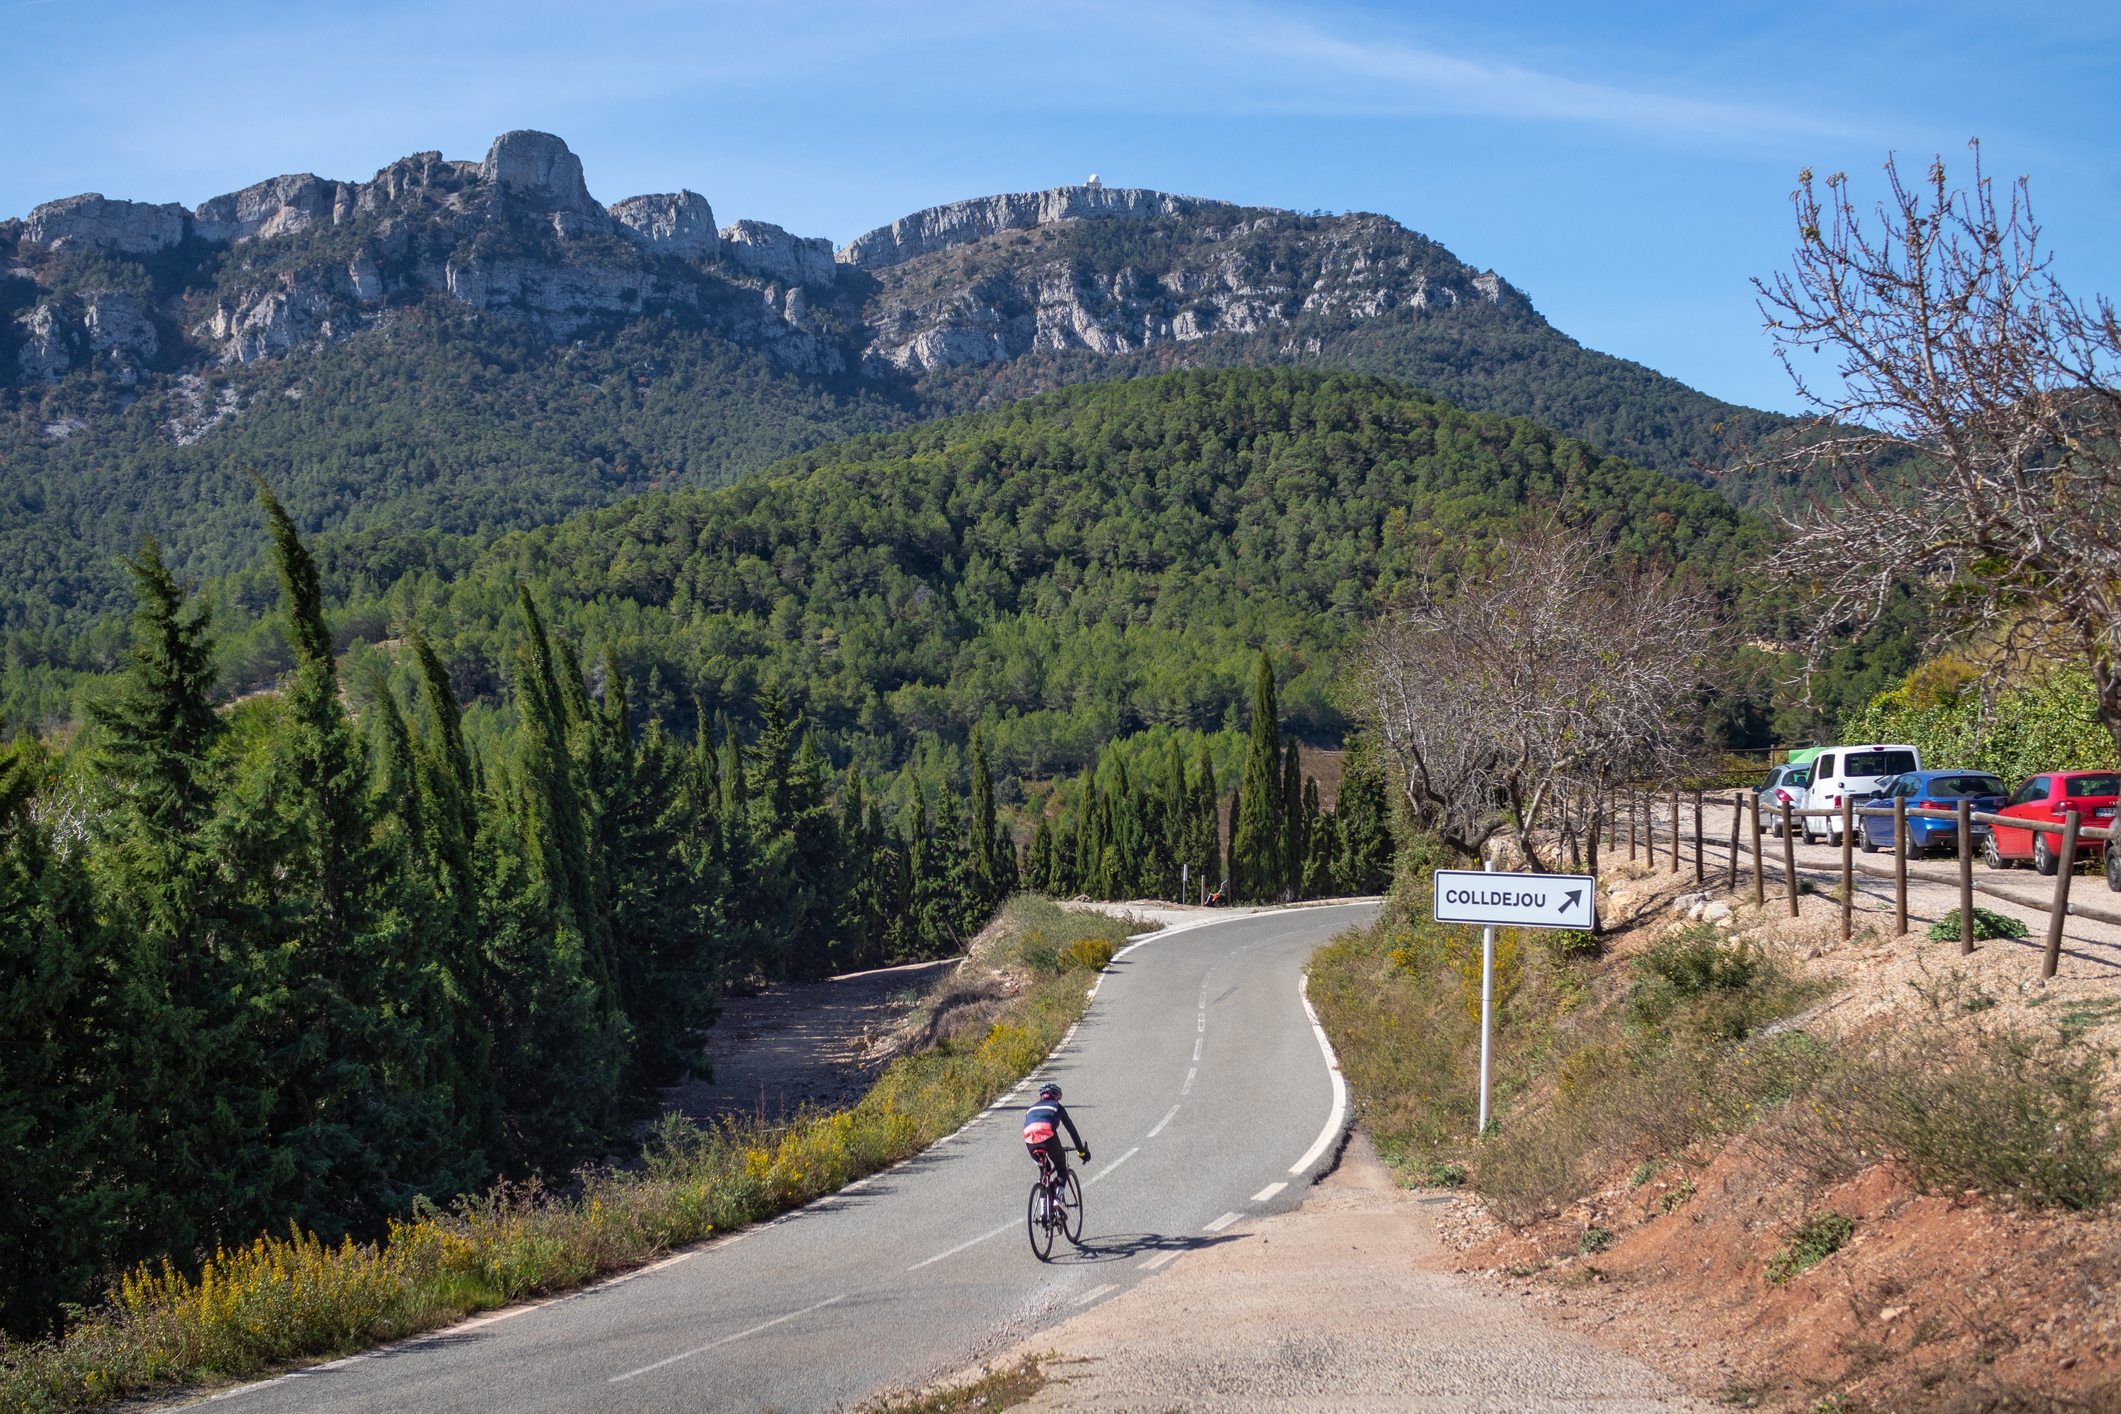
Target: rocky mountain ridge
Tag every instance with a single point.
(303, 259)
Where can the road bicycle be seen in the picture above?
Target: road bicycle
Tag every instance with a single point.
(1056, 1206)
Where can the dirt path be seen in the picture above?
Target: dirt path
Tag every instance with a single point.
(793, 1046)
(1342, 1305)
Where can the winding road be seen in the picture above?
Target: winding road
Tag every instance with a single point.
(1199, 1080)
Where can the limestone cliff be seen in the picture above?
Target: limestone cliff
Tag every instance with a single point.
(949, 307)
(961, 222)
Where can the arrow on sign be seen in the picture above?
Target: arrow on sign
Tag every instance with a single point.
(1570, 899)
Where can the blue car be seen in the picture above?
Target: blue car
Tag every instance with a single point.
(1930, 790)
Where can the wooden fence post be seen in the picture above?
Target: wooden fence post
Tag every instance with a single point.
(1701, 876)
(2064, 867)
(1759, 865)
(1848, 866)
(1789, 857)
(1737, 817)
(1966, 875)
(1899, 866)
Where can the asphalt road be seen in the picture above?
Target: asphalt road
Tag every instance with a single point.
(1201, 1086)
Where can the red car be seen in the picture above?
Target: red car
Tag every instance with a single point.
(2051, 797)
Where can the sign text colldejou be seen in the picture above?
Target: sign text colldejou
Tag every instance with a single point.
(1516, 900)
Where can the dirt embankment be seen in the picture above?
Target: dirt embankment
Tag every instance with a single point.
(1945, 1300)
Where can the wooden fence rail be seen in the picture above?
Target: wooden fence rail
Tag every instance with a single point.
(1747, 805)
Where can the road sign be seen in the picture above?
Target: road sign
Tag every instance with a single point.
(1516, 900)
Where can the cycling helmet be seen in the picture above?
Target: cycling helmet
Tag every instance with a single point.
(1049, 1091)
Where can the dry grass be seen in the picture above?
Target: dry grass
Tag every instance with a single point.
(284, 1300)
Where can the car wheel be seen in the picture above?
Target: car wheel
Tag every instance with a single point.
(2045, 861)
(1864, 841)
(1990, 855)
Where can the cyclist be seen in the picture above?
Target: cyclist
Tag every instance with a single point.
(1042, 1126)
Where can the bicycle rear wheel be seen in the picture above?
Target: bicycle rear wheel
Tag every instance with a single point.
(1039, 1224)
(1071, 1210)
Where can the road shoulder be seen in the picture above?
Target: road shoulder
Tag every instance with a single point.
(1337, 1304)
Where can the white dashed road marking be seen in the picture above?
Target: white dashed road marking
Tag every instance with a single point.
(1113, 1165)
(717, 1344)
(1162, 1122)
(1222, 1222)
(1268, 1192)
(1158, 1260)
(1094, 1292)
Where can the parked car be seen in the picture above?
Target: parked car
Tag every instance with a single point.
(2051, 797)
(1930, 790)
(1784, 784)
(1850, 773)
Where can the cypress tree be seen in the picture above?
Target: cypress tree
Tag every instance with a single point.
(1175, 811)
(1296, 846)
(1258, 847)
(1363, 864)
(1042, 857)
(74, 1173)
(1204, 848)
(996, 871)
(1321, 844)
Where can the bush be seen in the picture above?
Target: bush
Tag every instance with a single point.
(1810, 1244)
(1988, 925)
(2008, 1114)
(1087, 954)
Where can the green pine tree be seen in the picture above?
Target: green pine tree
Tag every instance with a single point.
(1258, 847)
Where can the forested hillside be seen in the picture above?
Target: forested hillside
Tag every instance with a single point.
(449, 348)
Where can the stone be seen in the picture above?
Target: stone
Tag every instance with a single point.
(537, 168)
(1716, 912)
(961, 222)
(47, 345)
(674, 223)
(270, 208)
(118, 321)
(131, 227)
(764, 249)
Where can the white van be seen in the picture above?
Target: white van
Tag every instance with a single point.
(1850, 773)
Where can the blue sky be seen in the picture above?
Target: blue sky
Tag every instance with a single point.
(1628, 166)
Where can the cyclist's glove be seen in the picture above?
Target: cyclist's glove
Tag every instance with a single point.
(1083, 1154)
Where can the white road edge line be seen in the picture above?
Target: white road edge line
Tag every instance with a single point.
(1164, 1121)
(1113, 1165)
(962, 1246)
(1158, 1260)
(714, 1344)
(1222, 1222)
(1331, 1132)
(1094, 1292)
(1268, 1192)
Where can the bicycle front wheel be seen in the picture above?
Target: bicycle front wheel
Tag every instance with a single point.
(1071, 1210)
(1039, 1224)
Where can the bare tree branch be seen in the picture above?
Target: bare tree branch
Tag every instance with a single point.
(1972, 424)
(1542, 675)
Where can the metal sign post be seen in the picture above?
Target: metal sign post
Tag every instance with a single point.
(1513, 900)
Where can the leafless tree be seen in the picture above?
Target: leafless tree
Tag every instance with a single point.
(1971, 425)
(1546, 672)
